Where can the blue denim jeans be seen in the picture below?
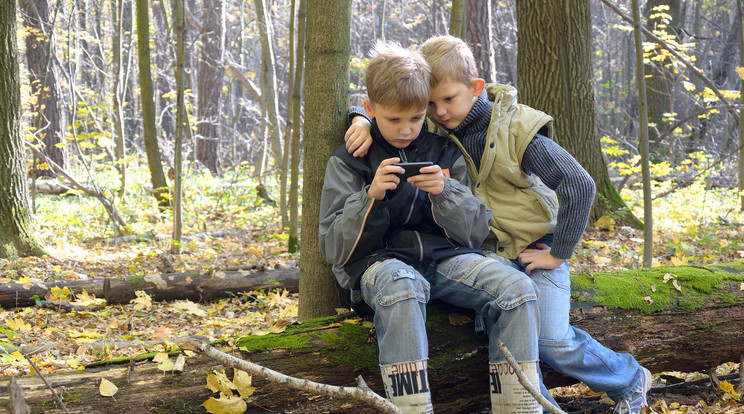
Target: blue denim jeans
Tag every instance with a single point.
(504, 300)
(570, 350)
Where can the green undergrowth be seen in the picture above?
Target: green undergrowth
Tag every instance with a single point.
(646, 291)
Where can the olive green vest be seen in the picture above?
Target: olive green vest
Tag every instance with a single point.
(524, 209)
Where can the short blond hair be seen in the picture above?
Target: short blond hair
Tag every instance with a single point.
(397, 77)
(450, 58)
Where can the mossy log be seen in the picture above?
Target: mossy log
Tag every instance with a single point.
(193, 286)
(694, 329)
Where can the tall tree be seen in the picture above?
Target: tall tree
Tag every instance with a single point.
(662, 16)
(740, 17)
(554, 62)
(181, 116)
(211, 75)
(160, 187)
(17, 235)
(42, 75)
(268, 84)
(117, 116)
(648, 229)
(327, 104)
(458, 20)
(294, 216)
(480, 36)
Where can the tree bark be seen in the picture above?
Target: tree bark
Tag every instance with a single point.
(554, 63)
(154, 160)
(480, 35)
(193, 286)
(327, 104)
(211, 75)
(17, 235)
(43, 80)
(294, 179)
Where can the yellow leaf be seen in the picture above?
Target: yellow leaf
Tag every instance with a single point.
(729, 388)
(676, 285)
(189, 307)
(217, 381)
(160, 357)
(189, 353)
(86, 299)
(243, 382)
(226, 404)
(669, 276)
(107, 388)
(605, 223)
(60, 293)
(24, 279)
(18, 324)
(142, 301)
(648, 300)
(166, 365)
(457, 319)
(740, 71)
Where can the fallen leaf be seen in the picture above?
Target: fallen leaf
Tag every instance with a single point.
(107, 388)
(226, 404)
(142, 301)
(243, 382)
(669, 276)
(605, 223)
(457, 319)
(648, 300)
(160, 357)
(162, 332)
(676, 285)
(166, 365)
(18, 324)
(189, 307)
(653, 288)
(217, 381)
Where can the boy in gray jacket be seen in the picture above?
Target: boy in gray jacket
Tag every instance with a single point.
(397, 244)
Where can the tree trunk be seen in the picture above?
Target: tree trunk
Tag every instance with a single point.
(181, 125)
(458, 20)
(117, 117)
(43, 80)
(268, 81)
(554, 63)
(648, 219)
(480, 35)
(294, 179)
(163, 59)
(193, 286)
(660, 80)
(211, 75)
(327, 104)
(159, 185)
(17, 235)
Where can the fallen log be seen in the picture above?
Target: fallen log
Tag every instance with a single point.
(193, 286)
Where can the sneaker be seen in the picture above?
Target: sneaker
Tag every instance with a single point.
(637, 400)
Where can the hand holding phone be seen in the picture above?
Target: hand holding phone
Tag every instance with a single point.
(412, 168)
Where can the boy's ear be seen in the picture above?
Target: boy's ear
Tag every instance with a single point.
(478, 85)
(367, 105)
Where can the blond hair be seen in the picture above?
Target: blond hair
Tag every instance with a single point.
(450, 58)
(397, 77)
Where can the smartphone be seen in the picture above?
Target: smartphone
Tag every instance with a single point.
(412, 168)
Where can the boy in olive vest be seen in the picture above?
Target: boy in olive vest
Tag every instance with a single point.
(518, 170)
(399, 243)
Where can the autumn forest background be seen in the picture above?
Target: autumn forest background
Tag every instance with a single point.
(176, 142)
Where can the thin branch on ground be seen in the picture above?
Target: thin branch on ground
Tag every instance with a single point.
(361, 392)
(525, 382)
(54, 393)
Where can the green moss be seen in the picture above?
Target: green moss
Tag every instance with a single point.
(284, 340)
(700, 287)
(349, 347)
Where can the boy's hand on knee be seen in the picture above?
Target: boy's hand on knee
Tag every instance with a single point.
(539, 258)
(358, 138)
(386, 178)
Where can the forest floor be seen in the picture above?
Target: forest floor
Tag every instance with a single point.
(693, 225)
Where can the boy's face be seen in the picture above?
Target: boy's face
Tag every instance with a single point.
(451, 101)
(398, 126)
